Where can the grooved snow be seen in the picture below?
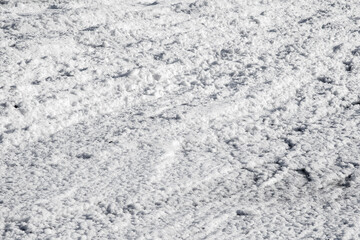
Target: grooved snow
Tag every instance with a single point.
(184, 119)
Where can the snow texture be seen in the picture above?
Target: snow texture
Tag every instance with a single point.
(191, 119)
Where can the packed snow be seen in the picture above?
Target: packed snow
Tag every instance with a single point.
(191, 119)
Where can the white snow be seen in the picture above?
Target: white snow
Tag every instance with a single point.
(193, 119)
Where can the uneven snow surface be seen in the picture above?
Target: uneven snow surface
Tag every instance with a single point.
(185, 119)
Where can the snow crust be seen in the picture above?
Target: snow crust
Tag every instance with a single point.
(179, 119)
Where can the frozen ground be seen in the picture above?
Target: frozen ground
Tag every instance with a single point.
(179, 119)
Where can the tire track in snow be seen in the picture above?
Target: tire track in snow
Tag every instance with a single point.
(138, 175)
(195, 116)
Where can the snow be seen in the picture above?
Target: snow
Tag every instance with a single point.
(179, 120)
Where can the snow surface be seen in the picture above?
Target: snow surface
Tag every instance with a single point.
(204, 119)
